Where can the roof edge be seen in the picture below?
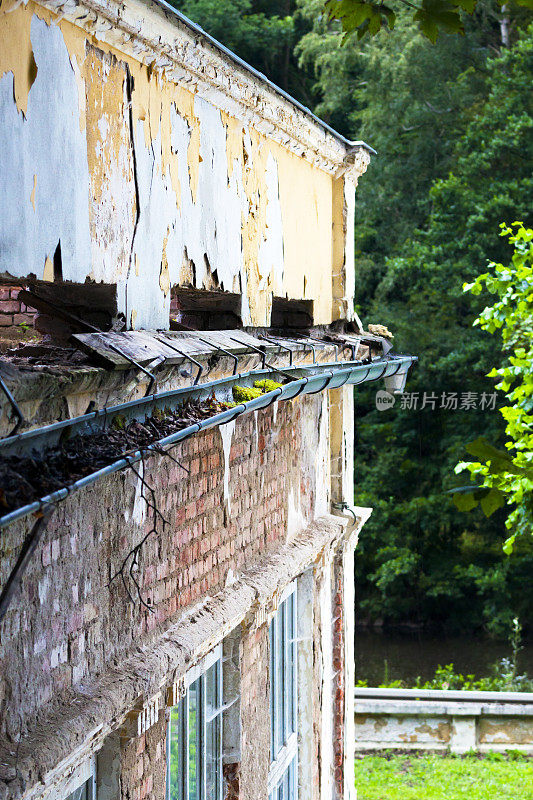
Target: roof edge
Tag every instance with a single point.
(155, 34)
(197, 29)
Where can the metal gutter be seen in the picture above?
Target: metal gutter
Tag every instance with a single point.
(307, 380)
(197, 30)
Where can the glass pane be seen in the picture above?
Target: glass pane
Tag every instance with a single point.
(175, 752)
(280, 679)
(271, 635)
(213, 733)
(212, 700)
(291, 666)
(82, 792)
(195, 750)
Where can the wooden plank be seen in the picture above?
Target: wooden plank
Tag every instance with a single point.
(141, 346)
(145, 346)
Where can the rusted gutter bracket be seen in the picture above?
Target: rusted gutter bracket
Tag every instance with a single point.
(284, 347)
(185, 355)
(14, 406)
(261, 352)
(306, 339)
(222, 350)
(328, 344)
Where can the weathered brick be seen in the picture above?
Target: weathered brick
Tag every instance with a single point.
(9, 306)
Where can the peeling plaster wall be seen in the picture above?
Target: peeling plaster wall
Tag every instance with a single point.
(148, 182)
(45, 147)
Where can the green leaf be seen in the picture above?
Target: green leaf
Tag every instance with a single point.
(465, 501)
(492, 501)
(508, 545)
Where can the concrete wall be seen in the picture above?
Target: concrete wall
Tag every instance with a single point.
(156, 170)
(440, 720)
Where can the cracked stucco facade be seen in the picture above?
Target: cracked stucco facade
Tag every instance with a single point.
(157, 162)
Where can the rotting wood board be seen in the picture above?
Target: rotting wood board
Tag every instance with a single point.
(146, 346)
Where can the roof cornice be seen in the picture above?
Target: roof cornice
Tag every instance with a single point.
(154, 33)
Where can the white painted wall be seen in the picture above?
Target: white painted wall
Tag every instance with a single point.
(46, 143)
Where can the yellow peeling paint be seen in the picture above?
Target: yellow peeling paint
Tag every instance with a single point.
(254, 163)
(32, 195)
(234, 141)
(184, 102)
(76, 44)
(48, 272)
(306, 209)
(16, 52)
(164, 275)
(306, 200)
(311, 201)
(106, 132)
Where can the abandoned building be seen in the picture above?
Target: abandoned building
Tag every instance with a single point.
(179, 355)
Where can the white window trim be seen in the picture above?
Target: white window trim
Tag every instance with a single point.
(203, 665)
(289, 751)
(190, 677)
(86, 771)
(282, 762)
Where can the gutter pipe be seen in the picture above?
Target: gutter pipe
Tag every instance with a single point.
(331, 376)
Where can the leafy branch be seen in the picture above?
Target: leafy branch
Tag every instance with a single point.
(505, 477)
(366, 18)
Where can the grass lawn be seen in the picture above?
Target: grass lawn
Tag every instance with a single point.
(437, 777)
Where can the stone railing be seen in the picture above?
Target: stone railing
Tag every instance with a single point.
(428, 719)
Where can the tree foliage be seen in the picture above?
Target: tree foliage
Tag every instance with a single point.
(262, 32)
(452, 126)
(506, 477)
(433, 17)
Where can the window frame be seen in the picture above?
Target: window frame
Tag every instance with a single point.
(83, 775)
(197, 675)
(283, 630)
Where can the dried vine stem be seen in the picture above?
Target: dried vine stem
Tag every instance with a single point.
(131, 560)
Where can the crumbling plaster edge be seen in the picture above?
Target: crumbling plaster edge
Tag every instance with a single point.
(153, 35)
(83, 719)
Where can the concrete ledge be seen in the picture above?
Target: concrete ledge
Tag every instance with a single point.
(442, 720)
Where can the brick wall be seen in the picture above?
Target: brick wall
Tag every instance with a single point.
(69, 624)
(14, 312)
(339, 680)
(143, 764)
(255, 714)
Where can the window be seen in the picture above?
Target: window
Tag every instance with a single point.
(283, 776)
(202, 310)
(194, 737)
(291, 313)
(81, 786)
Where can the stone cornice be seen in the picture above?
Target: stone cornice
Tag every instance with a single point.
(153, 34)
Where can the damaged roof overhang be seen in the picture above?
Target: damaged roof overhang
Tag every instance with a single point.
(198, 31)
(308, 379)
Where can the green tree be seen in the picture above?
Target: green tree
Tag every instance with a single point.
(506, 477)
(429, 564)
